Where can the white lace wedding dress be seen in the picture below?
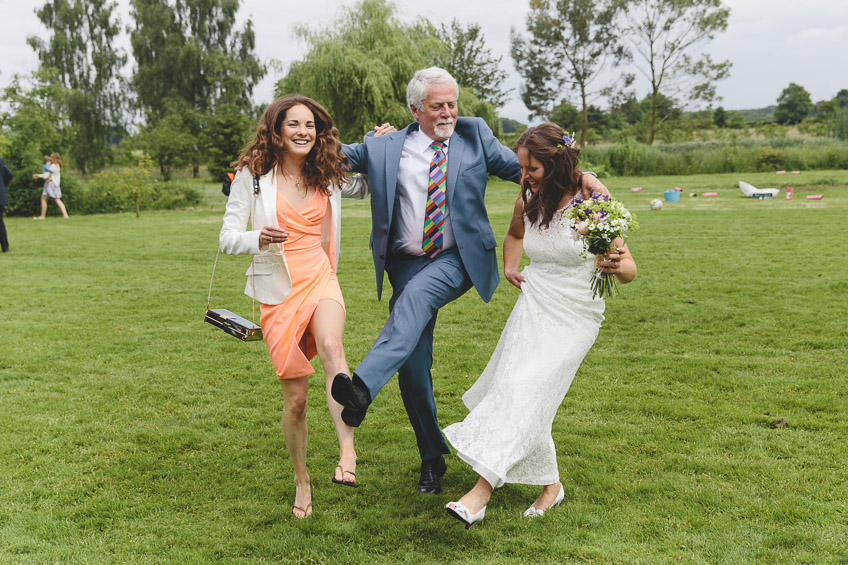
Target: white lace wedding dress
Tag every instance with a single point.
(506, 437)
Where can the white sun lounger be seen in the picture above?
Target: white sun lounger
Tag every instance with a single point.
(754, 192)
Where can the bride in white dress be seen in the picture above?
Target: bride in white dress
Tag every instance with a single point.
(506, 437)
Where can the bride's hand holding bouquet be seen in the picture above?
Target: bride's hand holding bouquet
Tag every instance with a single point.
(601, 223)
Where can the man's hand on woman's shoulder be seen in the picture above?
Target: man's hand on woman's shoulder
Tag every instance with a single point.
(383, 129)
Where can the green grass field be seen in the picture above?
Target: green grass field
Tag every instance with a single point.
(707, 425)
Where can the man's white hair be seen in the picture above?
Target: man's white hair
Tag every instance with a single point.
(416, 91)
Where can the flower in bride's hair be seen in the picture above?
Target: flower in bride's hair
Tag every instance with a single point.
(569, 140)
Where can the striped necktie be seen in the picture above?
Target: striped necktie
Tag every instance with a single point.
(434, 218)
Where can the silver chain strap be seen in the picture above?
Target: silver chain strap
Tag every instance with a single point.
(252, 272)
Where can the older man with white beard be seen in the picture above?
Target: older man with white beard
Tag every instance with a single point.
(431, 234)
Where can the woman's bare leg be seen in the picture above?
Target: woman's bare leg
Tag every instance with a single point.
(295, 434)
(327, 325)
(61, 206)
(43, 207)
(548, 496)
(478, 497)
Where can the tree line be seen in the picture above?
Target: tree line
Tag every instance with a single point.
(188, 99)
(186, 103)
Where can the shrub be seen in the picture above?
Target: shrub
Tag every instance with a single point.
(632, 158)
(771, 159)
(132, 189)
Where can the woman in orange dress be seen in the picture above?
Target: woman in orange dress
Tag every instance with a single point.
(290, 185)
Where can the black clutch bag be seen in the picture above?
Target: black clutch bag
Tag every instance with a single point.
(233, 324)
(230, 322)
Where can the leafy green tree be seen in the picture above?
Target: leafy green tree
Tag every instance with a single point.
(82, 56)
(222, 139)
(736, 120)
(358, 69)
(541, 81)
(190, 59)
(469, 105)
(793, 105)
(666, 39)
(471, 63)
(571, 42)
(512, 126)
(720, 117)
(825, 108)
(189, 56)
(838, 125)
(169, 142)
(30, 127)
(842, 97)
(625, 110)
(565, 114)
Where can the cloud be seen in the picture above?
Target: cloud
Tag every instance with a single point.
(820, 37)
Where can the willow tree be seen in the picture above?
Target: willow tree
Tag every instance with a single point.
(572, 42)
(80, 54)
(358, 68)
(667, 38)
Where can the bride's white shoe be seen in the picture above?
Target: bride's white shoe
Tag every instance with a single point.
(532, 512)
(461, 513)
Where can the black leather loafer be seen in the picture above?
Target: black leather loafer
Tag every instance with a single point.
(432, 471)
(352, 417)
(350, 393)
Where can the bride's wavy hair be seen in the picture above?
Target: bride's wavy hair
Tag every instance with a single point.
(324, 164)
(545, 142)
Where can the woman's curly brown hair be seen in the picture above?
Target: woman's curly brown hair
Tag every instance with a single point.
(324, 165)
(562, 177)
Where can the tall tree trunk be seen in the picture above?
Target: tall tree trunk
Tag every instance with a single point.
(652, 127)
(584, 121)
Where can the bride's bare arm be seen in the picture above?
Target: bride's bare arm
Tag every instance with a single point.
(514, 245)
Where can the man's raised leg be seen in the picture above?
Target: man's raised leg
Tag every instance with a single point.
(420, 287)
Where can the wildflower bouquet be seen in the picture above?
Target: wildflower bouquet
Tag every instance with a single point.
(598, 221)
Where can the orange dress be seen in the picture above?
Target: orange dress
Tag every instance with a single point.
(286, 326)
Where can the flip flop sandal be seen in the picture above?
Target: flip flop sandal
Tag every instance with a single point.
(306, 512)
(344, 482)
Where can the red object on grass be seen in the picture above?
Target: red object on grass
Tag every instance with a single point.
(710, 194)
(814, 197)
(780, 172)
(636, 189)
(677, 188)
(789, 191)
(796, 172)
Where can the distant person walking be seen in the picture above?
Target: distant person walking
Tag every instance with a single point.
(52, 186)
(5, 178)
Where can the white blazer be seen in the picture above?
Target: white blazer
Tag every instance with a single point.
(269, 273)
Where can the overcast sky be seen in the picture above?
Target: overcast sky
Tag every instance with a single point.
(770, 42)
